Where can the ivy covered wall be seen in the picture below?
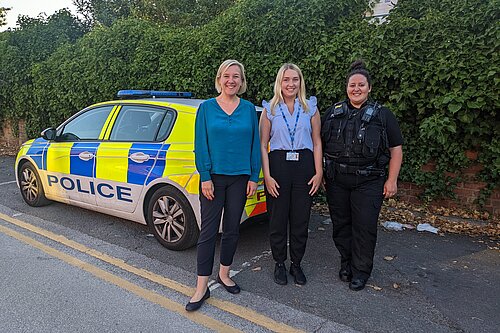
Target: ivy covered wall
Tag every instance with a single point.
(435, 64)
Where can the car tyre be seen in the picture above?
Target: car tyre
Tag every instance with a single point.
(31, 186)
(171, 219)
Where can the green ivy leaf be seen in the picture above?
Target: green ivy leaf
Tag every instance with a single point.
(473, 105)
(447, 99)
(465, 117)
(454, 107)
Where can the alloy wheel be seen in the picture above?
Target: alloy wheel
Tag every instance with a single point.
(169, 219)
(29, 185)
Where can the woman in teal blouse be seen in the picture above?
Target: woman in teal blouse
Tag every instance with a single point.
(228, 160)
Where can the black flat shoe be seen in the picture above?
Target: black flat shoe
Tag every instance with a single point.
(357, 284)
(193, 306)
(231, 289)
(298, 274)
(280, 274)
(345, 275)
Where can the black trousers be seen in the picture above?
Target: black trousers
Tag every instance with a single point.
(230, 196)
(292, 208)
(354, 203)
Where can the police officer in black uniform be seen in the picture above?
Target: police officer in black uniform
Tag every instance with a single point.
(360, 139)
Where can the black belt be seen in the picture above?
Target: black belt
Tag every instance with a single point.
(344, 168)
(361, 171)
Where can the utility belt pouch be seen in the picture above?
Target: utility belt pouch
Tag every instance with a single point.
(329, 169)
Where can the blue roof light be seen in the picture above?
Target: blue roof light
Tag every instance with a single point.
(152, 94)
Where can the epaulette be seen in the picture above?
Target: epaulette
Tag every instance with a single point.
(339, 109)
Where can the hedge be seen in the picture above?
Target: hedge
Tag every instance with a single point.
(434, 64)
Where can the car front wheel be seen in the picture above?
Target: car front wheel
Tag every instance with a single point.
(31, 186)
(171, 219)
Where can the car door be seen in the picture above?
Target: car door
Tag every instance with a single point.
(71, 157)
(256, 204)
(130, 153)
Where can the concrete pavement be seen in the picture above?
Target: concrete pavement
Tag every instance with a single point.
(427, 283)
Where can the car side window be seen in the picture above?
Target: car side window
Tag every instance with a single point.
(86, 126)
(166, 126)
(139, 123)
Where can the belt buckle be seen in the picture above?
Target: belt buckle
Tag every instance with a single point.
(361, 172)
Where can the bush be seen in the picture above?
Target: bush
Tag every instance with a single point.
(434, 64)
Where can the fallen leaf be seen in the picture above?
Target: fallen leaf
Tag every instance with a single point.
(395, 285)
(377, 288)
(321, 229)
(388, 258)
(258, 268)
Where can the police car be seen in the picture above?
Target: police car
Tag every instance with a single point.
(132, 158)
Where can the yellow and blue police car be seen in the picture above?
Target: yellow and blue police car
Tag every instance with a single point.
(131, 158)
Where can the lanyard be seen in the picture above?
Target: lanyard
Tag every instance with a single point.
(292, 133)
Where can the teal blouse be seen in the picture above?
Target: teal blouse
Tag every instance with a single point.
(227, 144)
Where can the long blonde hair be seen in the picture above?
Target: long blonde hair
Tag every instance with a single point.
(278, 96)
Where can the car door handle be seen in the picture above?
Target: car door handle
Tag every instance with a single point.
(85, 155)
(139, 157)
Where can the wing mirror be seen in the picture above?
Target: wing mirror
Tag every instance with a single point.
(49, 134)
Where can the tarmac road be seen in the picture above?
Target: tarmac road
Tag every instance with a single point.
(433, 283)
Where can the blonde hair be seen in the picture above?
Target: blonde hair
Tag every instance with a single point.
(223, 68)
(278, 96)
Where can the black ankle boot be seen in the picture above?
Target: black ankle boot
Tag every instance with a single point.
(345, 275)
(280, 274)
(357, 284)
(298, 274)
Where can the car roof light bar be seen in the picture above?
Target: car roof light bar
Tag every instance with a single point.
(153, 94)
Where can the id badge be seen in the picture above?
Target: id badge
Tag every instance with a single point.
(292, 156)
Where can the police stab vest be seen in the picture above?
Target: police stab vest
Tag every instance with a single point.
(355, 137)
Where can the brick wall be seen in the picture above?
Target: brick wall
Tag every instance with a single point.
(467, 191)
(9, 139)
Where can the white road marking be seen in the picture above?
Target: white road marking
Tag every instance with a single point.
(6, 183)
